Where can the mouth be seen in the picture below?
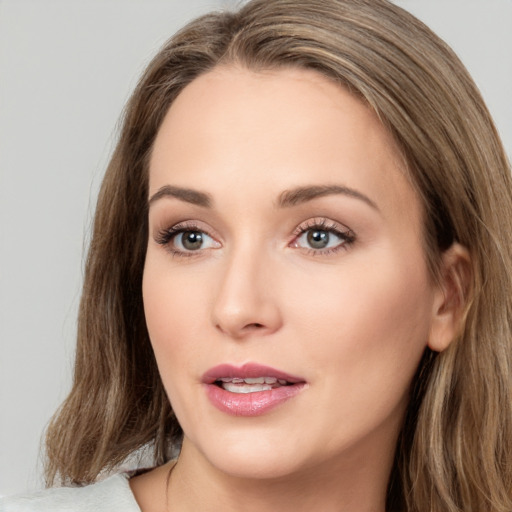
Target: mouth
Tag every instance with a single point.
(251, 389)
(251, 384)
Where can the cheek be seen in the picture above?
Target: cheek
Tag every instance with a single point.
(365, 330)
(175, 316)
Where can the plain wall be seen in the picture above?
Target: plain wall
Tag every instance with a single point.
(66, 69)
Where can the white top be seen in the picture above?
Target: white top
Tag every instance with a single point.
(110, 495)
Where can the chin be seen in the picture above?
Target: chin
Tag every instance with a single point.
(250, 457)
(255, 466)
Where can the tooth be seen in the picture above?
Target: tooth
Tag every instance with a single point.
(270, 380)
(236, 380)
(282, 382)
(226, 379)
(236, 388)
(255, 380)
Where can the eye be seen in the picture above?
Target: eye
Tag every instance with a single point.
(192, 241)
(323, 236)
(183, 240)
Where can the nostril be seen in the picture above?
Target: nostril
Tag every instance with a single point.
(254, 326)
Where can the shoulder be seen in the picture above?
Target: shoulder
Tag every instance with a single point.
(110, 495)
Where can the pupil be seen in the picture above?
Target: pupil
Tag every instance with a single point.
(318, 239)
(192, 240)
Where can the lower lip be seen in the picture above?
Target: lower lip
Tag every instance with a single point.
(251, 404)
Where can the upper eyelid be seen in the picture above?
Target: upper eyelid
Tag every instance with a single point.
(321, 222)
(190, 225)
(325, 223)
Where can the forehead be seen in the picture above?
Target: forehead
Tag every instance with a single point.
(237, 129)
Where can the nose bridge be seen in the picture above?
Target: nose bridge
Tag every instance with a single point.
(245, 301)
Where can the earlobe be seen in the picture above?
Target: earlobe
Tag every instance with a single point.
(451, 297)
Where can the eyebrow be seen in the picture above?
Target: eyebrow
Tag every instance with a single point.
(184, 194)
(286, 199)
(300, 195)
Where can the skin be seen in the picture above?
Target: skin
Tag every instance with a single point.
(352, 320)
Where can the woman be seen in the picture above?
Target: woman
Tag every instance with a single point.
(298, 279)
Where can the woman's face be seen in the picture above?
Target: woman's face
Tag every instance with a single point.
(285, 247)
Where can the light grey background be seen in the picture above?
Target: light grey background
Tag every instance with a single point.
(66, 69)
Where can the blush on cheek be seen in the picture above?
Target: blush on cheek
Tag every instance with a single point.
(374, 328)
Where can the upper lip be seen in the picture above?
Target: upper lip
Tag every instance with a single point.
(248, 370)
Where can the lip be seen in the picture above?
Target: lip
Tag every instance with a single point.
(247, 371)
(249, 404)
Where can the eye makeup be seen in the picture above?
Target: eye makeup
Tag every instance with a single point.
(316, 236)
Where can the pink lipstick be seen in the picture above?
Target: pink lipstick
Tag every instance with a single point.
(249, 390)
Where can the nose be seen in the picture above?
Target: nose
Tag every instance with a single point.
(247, 300)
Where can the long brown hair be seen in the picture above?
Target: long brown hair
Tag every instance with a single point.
(455, 450)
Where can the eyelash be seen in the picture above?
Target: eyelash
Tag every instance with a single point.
(346, 235)
(166, 236)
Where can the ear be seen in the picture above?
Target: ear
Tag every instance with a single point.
(451, 297)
